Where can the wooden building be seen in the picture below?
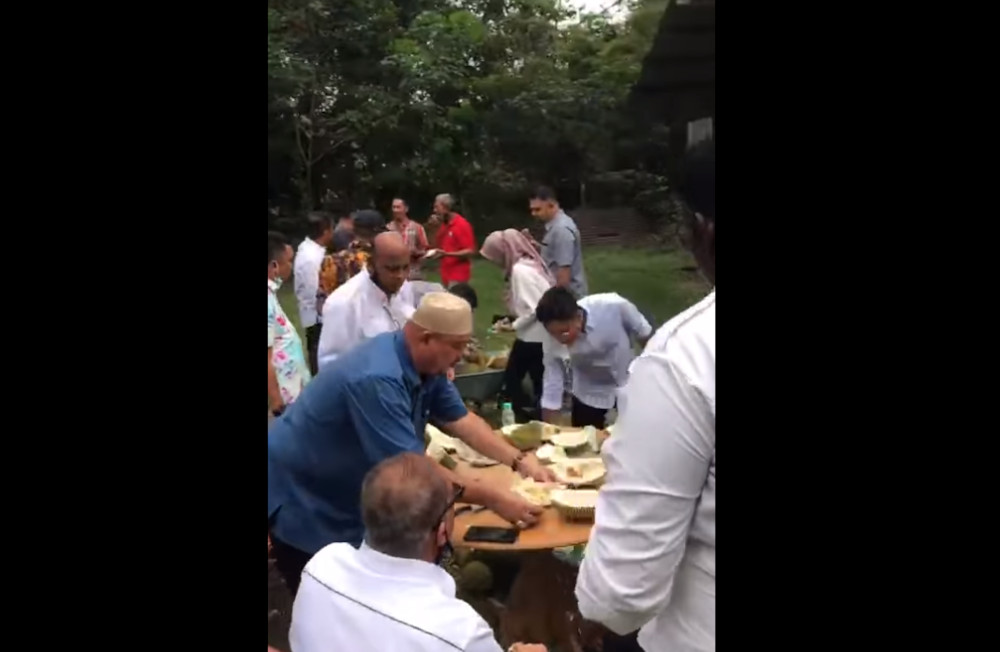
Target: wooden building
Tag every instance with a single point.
(677, 84)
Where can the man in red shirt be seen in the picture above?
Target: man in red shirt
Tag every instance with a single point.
(456, 243)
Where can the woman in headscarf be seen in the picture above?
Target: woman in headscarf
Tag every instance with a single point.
(527, 279)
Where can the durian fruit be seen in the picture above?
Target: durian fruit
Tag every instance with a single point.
(499, 362)
(527, 436)
(475, 578)
(462, 556)
(436, 452)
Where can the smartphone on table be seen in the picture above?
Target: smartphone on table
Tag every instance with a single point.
(480, 534)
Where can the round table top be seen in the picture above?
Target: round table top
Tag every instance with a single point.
(551, 531)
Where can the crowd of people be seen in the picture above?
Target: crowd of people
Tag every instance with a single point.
(359, 519)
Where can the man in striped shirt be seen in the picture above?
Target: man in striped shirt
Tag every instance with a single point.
(413, 235)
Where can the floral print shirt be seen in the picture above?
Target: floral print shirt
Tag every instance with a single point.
(286, 349)
(338, 268)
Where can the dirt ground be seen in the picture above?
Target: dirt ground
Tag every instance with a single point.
(279, 609)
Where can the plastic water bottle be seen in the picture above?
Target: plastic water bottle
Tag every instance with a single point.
(507, 415)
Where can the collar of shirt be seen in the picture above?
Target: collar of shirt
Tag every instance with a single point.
(587, 327)
(411, 569)
(309, 243)
(555, 220)
(272, 285)
(375, 293)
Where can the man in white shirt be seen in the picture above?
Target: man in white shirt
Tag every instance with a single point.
(377, 300)
(307, 262)
(596, 332)
(650, 563)
(391, 593)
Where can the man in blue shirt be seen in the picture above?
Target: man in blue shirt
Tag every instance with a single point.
(368, 405)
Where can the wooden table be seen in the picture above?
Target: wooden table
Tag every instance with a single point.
(541, 606)
(550, 532)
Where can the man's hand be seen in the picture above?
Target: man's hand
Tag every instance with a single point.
(530, 467)
(433, 254)
(527, 647)
(515, 509)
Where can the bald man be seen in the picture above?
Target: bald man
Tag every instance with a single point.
(391, 593)
(378, 300)
(368, 405)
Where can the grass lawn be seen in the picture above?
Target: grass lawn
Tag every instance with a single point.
(654, 281)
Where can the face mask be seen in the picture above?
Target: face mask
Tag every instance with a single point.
(276, 278)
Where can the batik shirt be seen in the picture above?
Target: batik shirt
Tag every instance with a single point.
(286, 349)
(339, 268)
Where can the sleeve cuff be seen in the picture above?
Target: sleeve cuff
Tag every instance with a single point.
(549, 404)
(596, 611)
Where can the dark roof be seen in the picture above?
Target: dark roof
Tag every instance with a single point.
(677, 82)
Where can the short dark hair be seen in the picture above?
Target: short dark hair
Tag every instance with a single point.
(696, 179)
(369, 221)
(276, 243)
(465, 291)
(403, 499)
(557, 304)
(544, 193)
(317, 222)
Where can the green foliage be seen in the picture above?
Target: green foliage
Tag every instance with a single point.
(372, 98)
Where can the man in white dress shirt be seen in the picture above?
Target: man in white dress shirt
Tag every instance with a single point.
(378, 300)
(650, 563)
(307, 262)
(596, 333)
(391, 593)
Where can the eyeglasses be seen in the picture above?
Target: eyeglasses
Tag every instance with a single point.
(458, 491)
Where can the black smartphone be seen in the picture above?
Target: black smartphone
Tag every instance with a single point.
(491, 534)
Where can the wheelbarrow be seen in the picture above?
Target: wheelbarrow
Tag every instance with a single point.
(480, 386)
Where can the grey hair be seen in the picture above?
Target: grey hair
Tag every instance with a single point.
(402, 502)
(445, 199)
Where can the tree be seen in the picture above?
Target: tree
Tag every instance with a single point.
(368, 98)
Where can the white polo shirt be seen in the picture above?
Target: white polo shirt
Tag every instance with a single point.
(359, 310)
(650, 562)
(307, 263)
(365, 601)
